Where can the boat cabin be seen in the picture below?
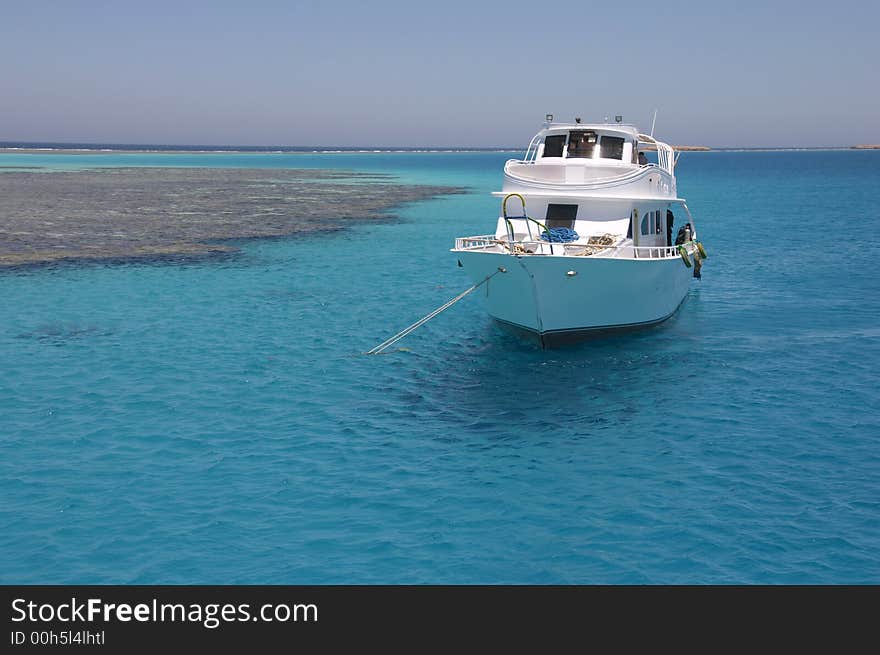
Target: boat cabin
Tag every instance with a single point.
(649, 223)
(610, 144)
(591, 180)
(600, 153)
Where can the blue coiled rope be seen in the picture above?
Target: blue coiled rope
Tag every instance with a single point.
(559, 235)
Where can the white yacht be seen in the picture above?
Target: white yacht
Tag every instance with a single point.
(592, 234)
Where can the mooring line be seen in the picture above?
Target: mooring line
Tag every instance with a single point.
(449, 303)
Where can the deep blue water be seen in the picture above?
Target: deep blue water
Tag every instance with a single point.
(210, 421)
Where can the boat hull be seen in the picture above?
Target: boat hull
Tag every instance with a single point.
(564, 299)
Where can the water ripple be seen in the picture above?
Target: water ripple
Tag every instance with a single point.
(213, 422)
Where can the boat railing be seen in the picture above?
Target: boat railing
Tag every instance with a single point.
(540, 247)
(657, 252)
(532, 151)
(665, 153)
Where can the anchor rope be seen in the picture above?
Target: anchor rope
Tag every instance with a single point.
(449, 303)
(559, 235)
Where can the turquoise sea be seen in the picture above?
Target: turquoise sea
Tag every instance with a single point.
(210, 421)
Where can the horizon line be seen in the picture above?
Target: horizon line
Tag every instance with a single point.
(15, 145)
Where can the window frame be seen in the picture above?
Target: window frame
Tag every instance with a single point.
(582, 152)
(563, 139)
(619, 139)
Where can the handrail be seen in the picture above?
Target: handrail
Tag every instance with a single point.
(507, 219)
(691, 221)
(521, 247)
(665, 152)
(532, 144)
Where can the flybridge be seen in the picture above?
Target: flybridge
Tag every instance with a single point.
(596, 143)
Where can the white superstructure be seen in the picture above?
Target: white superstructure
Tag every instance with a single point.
(587, 235)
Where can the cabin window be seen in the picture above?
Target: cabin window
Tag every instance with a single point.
(612, 147)
(553, 145)
(561, 215)
(582, 144)
(645, 220)
(659, 228)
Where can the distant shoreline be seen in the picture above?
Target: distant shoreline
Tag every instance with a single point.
(97, 149)
(32, 148)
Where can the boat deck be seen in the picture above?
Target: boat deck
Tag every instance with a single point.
(585, 247)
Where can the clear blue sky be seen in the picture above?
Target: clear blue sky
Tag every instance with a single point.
(437, 73)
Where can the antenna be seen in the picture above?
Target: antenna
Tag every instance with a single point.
(652, 123)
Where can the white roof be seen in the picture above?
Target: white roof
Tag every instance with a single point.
(605, 128)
